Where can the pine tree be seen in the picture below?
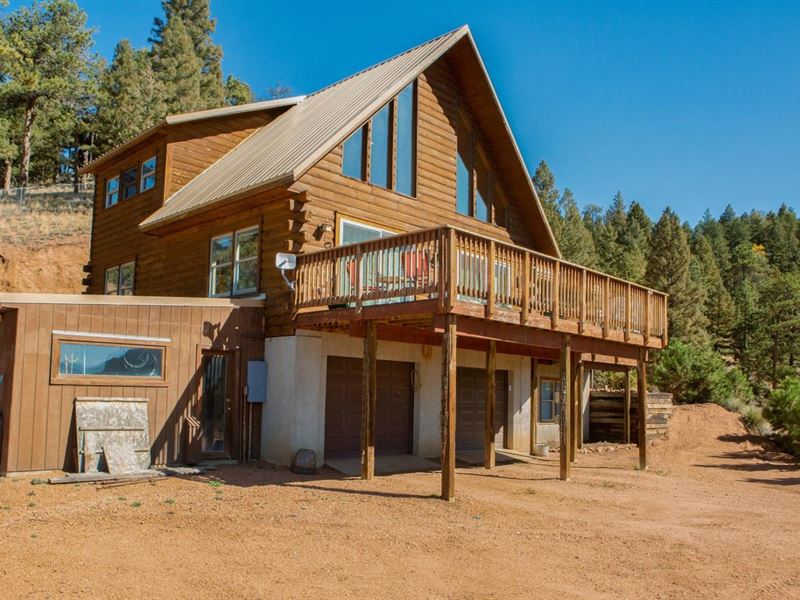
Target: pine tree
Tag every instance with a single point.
(177, 68)
(719, 308)
(714, 233)
(782, 239)
(196, 18)
(8, 150)
(670, 269)
(748, 274)
(237, 92)
(44, 56)
(575, 240)
(545, 184)
(129, 99)
(776, 340)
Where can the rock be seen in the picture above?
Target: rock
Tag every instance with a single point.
(304, 462)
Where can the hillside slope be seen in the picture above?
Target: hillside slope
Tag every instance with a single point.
(43, 249)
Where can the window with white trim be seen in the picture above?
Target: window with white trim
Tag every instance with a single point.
(112, 191)
(119, 279)
(233, 267)
(549, 400)
(148, 175)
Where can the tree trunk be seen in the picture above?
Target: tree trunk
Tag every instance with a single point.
(7, 177)
(25, 148)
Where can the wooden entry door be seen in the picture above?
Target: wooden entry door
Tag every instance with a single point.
(217, 404)
(471, 407)
(394, 413)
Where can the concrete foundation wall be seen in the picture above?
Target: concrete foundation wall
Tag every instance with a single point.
(294, 415)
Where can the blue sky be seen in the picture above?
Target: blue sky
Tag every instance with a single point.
(682, 104)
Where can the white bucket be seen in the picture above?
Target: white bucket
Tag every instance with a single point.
(542, 450)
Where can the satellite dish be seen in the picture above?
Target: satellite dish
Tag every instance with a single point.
(286, 262)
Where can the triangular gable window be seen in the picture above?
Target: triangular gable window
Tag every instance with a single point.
(383, 152)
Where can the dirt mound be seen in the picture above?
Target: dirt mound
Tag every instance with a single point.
(700, 425)
(55, 267)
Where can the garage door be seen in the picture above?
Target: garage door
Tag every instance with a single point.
(394, 412)
(470, 407)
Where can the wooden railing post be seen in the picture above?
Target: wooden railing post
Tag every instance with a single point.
(582, 295)
(452, 269)
(440, 268)
(665, 333)
(526, 288)
(628, 313)
(606, 306)
(647, 317)
(490, 282)
(358, 278)
(555, 294)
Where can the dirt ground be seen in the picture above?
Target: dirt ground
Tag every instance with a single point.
(717, 515)
(52, 266)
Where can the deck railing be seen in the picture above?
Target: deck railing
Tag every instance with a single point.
(504, 281)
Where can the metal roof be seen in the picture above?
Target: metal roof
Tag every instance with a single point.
(200, 115)
(285, 148)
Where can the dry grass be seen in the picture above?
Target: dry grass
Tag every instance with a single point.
(37, 223)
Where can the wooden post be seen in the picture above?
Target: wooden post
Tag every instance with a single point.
(555, 296)
(606, 307)
(641, 372)
(448, 417)
(359, 302)
(647, 317)
(451, 271)
(526, 289)
(488, 422)
(665, 336)
(626, 417)
(564, 461)
(490, 282)
(534, 400)
(579, 404)
(582, 320)
(369, 394)
(628, 313)
(573, 409)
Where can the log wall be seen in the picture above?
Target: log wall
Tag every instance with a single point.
(606, 412)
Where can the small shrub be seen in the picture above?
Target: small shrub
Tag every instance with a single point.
(38, 481)
(169, 501)
(783, 409)
(215, 484)
(136, 504)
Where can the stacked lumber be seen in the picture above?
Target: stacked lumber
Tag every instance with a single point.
(606, 416)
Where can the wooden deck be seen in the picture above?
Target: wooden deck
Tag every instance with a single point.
(412, 279)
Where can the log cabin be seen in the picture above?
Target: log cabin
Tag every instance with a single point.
(428, 311)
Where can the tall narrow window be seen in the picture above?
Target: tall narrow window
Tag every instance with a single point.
(221, 276)
(148, 178)
(353, 163)
(112, 191)
(463, 177)
(126, 274)
(245, 276)
(482, 192)
(380, 165)
(549, 395)
(404, 182)
(129, 183)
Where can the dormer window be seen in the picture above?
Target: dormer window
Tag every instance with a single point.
(112, 191)
(383, 152)
(148, 177)
(129, 182)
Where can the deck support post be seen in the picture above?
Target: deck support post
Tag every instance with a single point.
(369, 394)
(488, 421)
(641, 373)
(534, 401)
(572, 381)
(579, 403)
(448, 414)
(565, 402)
(626, 417)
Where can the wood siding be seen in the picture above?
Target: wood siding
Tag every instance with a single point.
(183, 153)
(39, 423)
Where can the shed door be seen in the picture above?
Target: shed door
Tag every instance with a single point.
(470, 407)
(394, 413)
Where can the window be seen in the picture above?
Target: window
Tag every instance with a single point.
(112, 191)
(148, 178)
(234, 263)
(404, 177)
(380, 166)
(119, 279)
(352, 232)
(549, 400)
(129, 183)
(82, 358)
(388, 161)
(475, 183)
(353, 161)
